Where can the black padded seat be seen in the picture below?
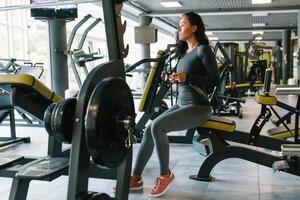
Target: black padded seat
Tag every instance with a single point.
(26, 93)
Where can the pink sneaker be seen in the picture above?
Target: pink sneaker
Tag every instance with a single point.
(134, 185)
(162, 185)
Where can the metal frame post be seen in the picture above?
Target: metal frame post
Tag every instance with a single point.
(286, 54)
(58, 69)
(278, 63)
(145, 48)
(114, 33)
(298, 34)
(19, 189)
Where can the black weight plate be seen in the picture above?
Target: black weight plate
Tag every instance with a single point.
(47, 118)
(62, 125)
(110, 102)
(54, 117)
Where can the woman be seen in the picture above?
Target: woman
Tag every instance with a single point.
(197, 74)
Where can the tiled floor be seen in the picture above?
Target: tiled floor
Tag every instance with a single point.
(234, 179)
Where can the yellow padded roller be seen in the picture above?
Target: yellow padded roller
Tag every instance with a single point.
(29, 81)
(265, 100)
(258, 85)
(281, 132)
(221, 124)
(284, 135)
(149, 83)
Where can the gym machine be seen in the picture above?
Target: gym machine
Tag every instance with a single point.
(237, 79)
(98, 123)
(219, 131)
(226, 102)
(7, 104)
(257, 71)
(287, 129)
(12, 66)
(290, 152)
(290, 157)
(77, 57)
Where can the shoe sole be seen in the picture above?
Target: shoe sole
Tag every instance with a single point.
(163, 192)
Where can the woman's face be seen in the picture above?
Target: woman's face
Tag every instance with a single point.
(186, 29)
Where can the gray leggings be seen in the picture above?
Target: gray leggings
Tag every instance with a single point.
(177, 118)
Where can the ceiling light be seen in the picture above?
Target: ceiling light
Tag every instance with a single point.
(258, 38)
(213, 38)
(258, 24)
(260, 14)
(257, 32)
(261, 1)
(209, 33)
(171, 4)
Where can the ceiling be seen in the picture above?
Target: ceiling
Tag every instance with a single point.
(230, 19)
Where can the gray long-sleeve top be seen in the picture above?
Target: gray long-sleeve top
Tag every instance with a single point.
(202, 73)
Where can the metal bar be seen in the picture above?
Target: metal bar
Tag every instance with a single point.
(246, 31)
(58, 69)
(224, 53)
(14, 141)
(12, 124)
(123, 178)
(286, 107)
(286, 62)
(231, 151)
(283, 123)
(47, 4)
(14, 60)
(288, 90)
(22, 125)
(242, 137)
(75, 72)
(141, 124)
(109, 11)
(232, 98)
(298, 35)
(19, 189)
(87, 30)
(245, 40)
(275, 28)
(132, 67)
(144, 48)
(58, 59)
(227, 11)
(74, 31)
(296, 128)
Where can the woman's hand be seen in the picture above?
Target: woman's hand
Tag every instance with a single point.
(179, 77)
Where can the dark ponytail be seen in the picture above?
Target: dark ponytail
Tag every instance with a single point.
(194, 19)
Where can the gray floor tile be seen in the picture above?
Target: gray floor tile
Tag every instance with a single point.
(268, 177)
(279, 192)
(231, 195)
